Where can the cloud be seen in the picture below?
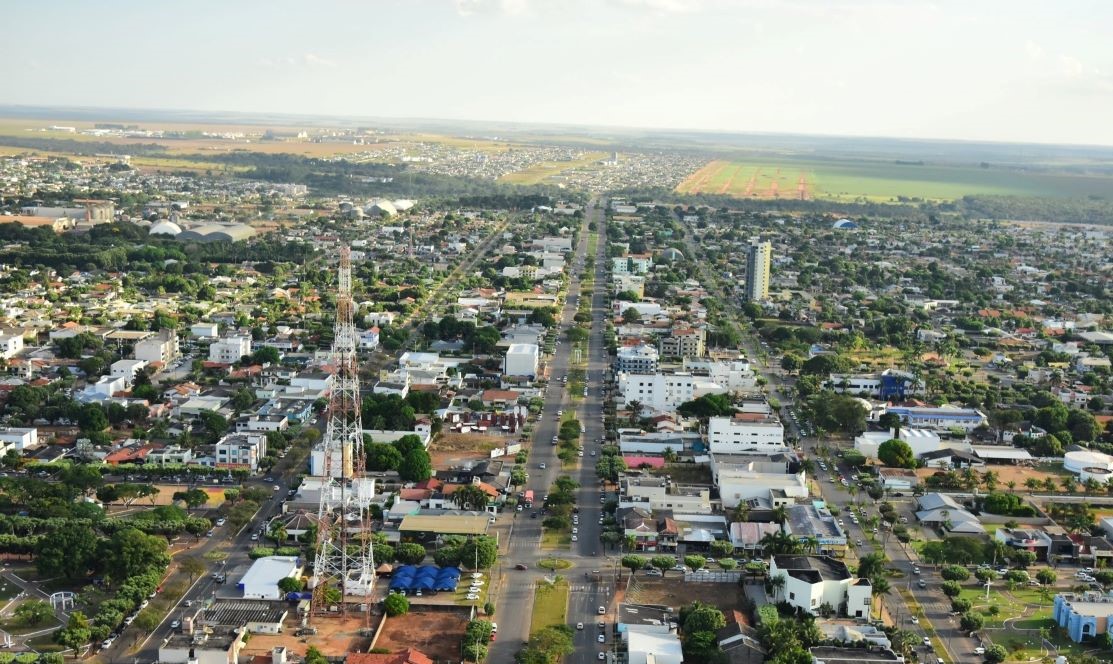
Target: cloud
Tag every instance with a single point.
(507, 7)
(314, 60)
(1034, 50)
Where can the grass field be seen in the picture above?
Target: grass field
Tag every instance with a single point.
(550, 605)
(794, 179)
(541, 172)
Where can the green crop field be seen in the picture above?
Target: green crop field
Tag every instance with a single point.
(795, 179)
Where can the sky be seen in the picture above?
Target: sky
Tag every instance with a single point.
(998, 70)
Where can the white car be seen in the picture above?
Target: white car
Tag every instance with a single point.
(979, 650)
(602, 610)
(220, 522)
(575, 531)
(175, 624)
(602, 655)
(471, 597)
(579, 626)
(107, 643)
(915, 620)
(575, 539)
(494, 628)
(601, 638)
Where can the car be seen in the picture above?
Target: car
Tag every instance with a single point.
(220, 522)
(519, 508)
(915, 620)
(470, 597)
(602, 610)
(859, 542)
(921, 584)
(1088, 570)
(254, 537)
(679, 568)
(602, 638)
(210, 533)
(916, 571)
(494, 627)
(575, 539)
(144, 603)
(979, 650)
(602, 655)
(542, 465)
(268, 479)
(533, 515)
(575, 531)
(593, 453)
(709, 560)
(927, 641)
(107, 643)
(130, 619)
(175, 624)
(653, 571)
(277, 488)
(579, 625)
(521, 566)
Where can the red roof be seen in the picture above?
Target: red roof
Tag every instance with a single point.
(407, 656)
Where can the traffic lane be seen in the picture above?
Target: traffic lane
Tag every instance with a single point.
(586, 598)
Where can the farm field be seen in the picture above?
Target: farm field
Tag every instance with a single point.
(794, 179)
(548, 169)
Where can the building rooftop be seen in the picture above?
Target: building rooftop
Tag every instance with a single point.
(837, 655)
(812, 568)
(448, 524)
(238, 614)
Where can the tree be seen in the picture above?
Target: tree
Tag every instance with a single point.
(415, 467)
(1046, 577)
(700, 617)
(409, 553)
(721, 548)
(314, 656)
(961, 604)
(950, 588)
(193, 498)
(34, 612)
(482, 552)
(694, 562)
(193, 566)
(396, 605)
(70, 552)
(955, 573)
(896, 453)
(130, 552)
(971, 622)
(76, 634)
(871, 565)
(146, 622)
(995, 654)
(633, 563)
(470, 497)
(984, 574)
(290, 584)
(631, 315)
(890, 421)
(382, 457)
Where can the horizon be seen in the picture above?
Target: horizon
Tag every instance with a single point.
(995, 72)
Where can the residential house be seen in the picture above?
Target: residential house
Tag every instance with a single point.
(812, 583)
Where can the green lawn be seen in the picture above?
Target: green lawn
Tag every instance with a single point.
(555, 539)
(1023, 602)
(550, 605)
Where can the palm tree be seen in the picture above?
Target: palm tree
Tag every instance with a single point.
(1049, 484)
(880, 587)
(1011, 485)
(1034, 485)
(811, 543)
(989, 479)
(777, 584)
(470, 496)
(1068, 484)
(779, 515)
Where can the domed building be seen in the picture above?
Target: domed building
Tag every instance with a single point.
(164, 227)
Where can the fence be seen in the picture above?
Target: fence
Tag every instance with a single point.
(718, 576)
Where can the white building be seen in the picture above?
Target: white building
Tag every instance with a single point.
(759, 259)
(641, 359)
(241, 450)
(127, 369)
(652, 644)
(735, 375)
(632, 264)
(369, 339)
(204, 330)
(261, 580)
(921, 441)
(942, 417)
(160, 347)
(19, 438)
(810, 582)
(743, 477)
(521, 360)
(664, 392)
(888, 384)
(230, 350)
(11, 343)
(744, 431)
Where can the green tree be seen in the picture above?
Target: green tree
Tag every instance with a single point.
(722, 548)
(130, 552)
(1046, 577)
(971, 622)
(663, 563)
(871, 565)
(995, 654)
(76, 634)
(70, 552)
(633, 563)
(193, 566)
(290, 584)
(415, 467)
(396, 605)
(700, 617)
(33, 612)
(955, 573)
(896, 453)
(481, 552)
(193, 498)
(314, 656)
(382, 457)
(470, 497)
(950, 588)
(409, 553)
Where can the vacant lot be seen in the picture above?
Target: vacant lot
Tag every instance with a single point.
(336, 636)
(808, 179)
(673, 591)
(435, 633)
(452, 448)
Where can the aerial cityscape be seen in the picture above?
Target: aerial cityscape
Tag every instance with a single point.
(509, 332)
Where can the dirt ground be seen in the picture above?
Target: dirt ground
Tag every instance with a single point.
(335, 637)
(673, 591)
(454, 448)
(166, 496)
(1007, 473)
(435, 633)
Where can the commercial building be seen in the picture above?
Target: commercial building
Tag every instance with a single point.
(807, 521)
(1084, 615)
(814, 582)
(659, 493)
(684, 342)
(744, 431)
(19, 438)
(744, 477)
(664, 392)
(888, 384)
(230, 350)
(759, 257)
(241, 450)
(637, 359)
(921, 441)
(521, 360)
(943, 417)
(160, 347)
(261, 581)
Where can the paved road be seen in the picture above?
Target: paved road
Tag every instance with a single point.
(515, 599)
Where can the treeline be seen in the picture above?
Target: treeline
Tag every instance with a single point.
(73, 146)
(1001, 208)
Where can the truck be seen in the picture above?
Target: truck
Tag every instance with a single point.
(527, 498)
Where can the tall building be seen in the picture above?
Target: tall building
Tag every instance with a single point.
(758, 259)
